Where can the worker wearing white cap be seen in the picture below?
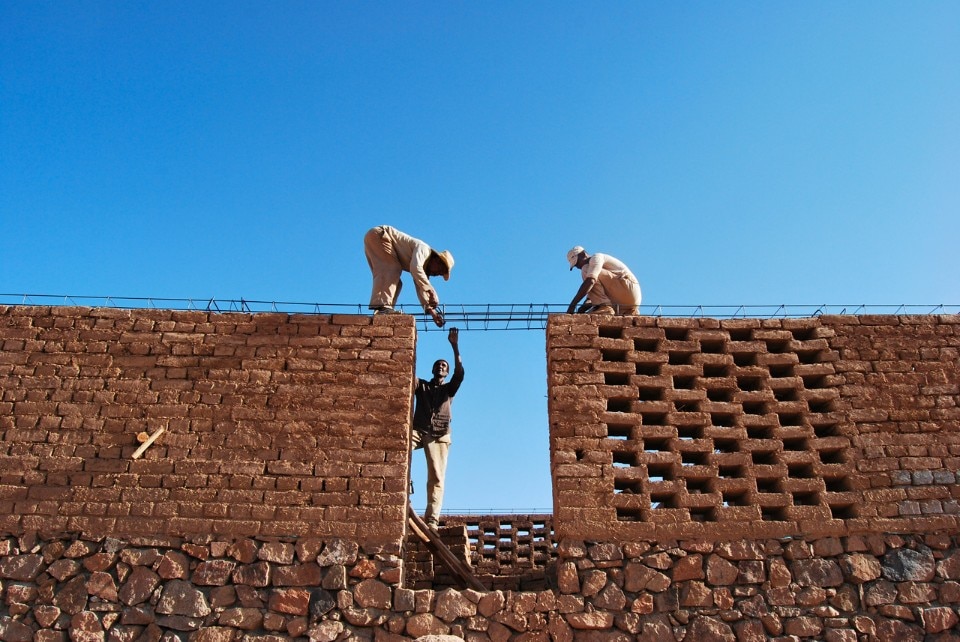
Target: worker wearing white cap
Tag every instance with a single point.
(390, 252)
(608, 284)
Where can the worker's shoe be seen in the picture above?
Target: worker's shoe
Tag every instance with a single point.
(386, 310)
(433, 525)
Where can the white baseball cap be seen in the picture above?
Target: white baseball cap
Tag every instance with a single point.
(573, 254)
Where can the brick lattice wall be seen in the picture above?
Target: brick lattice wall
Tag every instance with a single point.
(664, 428)
(276, 425)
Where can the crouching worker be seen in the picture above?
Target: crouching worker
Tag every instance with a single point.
(431, 425)
(389, 253)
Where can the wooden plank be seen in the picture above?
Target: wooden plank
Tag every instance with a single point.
(436, 545)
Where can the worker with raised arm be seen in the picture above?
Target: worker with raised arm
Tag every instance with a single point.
(608, 284)
(391, 252)
(431, 425)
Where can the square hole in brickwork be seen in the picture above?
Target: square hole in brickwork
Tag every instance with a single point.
(790, 419)
(660, 472)
(629, 515)
(648, 369)
(711, 346)
(715, 370)
(645, 393)
(663, 500)
(684, 383)
(703, 514)
(653, 418)
(836, 484)
(828, 429)
(813, 382)
(741, 334)
(773, 514)
(720, 394)
(809, 356)
(619, 405)
(730, 472)
(796, 443)
(803, 334)
(646, 345)
(609, 354)
(763, 457)
(656, 444)
(780, 371)
(749, 383)
(800, 471)
(843, 511)
(692, 458)
(726, 445)
(624, 460)
(723, 419)
(686, 433)
(616, 378)
(680, 358)
(619, 431)
(676, 334)
(755, 408)
(735, 498)
(627, 486)
(611, 332)
(806, 498)
(697, 486)
(744, 359)
(777, 346)
(837, 456)
(760, 432)
(785, 394)
(820, 407)
(768, 485)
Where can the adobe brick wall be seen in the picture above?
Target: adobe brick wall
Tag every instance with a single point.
(779, 423)
(747, 428)
(276, 424)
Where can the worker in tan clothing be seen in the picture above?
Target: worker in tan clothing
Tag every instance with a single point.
(390, 252)
(608, 284)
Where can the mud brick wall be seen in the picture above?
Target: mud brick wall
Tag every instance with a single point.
(700, 428)
(506, 552)
(276, 424)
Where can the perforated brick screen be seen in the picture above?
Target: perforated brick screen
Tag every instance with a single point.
(738, 428)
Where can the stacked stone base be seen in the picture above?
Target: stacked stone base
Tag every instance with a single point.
(878, 587)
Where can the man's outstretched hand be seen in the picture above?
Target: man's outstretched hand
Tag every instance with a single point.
(454, 336)
(437, 317)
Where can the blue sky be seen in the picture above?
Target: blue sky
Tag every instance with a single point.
(730, 153)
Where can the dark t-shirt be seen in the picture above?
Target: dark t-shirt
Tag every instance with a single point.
(431, 414)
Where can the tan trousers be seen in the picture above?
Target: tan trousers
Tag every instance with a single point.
(623, 294)
(385, 268)
(436, 451)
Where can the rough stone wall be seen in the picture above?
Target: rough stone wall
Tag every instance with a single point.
(699, 428)
(874, 588)
(275, 424)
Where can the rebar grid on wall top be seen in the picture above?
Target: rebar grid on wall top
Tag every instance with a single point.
(474, 316)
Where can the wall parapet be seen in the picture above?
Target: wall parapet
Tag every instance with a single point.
(705, 428)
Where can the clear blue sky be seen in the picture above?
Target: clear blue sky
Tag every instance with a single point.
(730, 153)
